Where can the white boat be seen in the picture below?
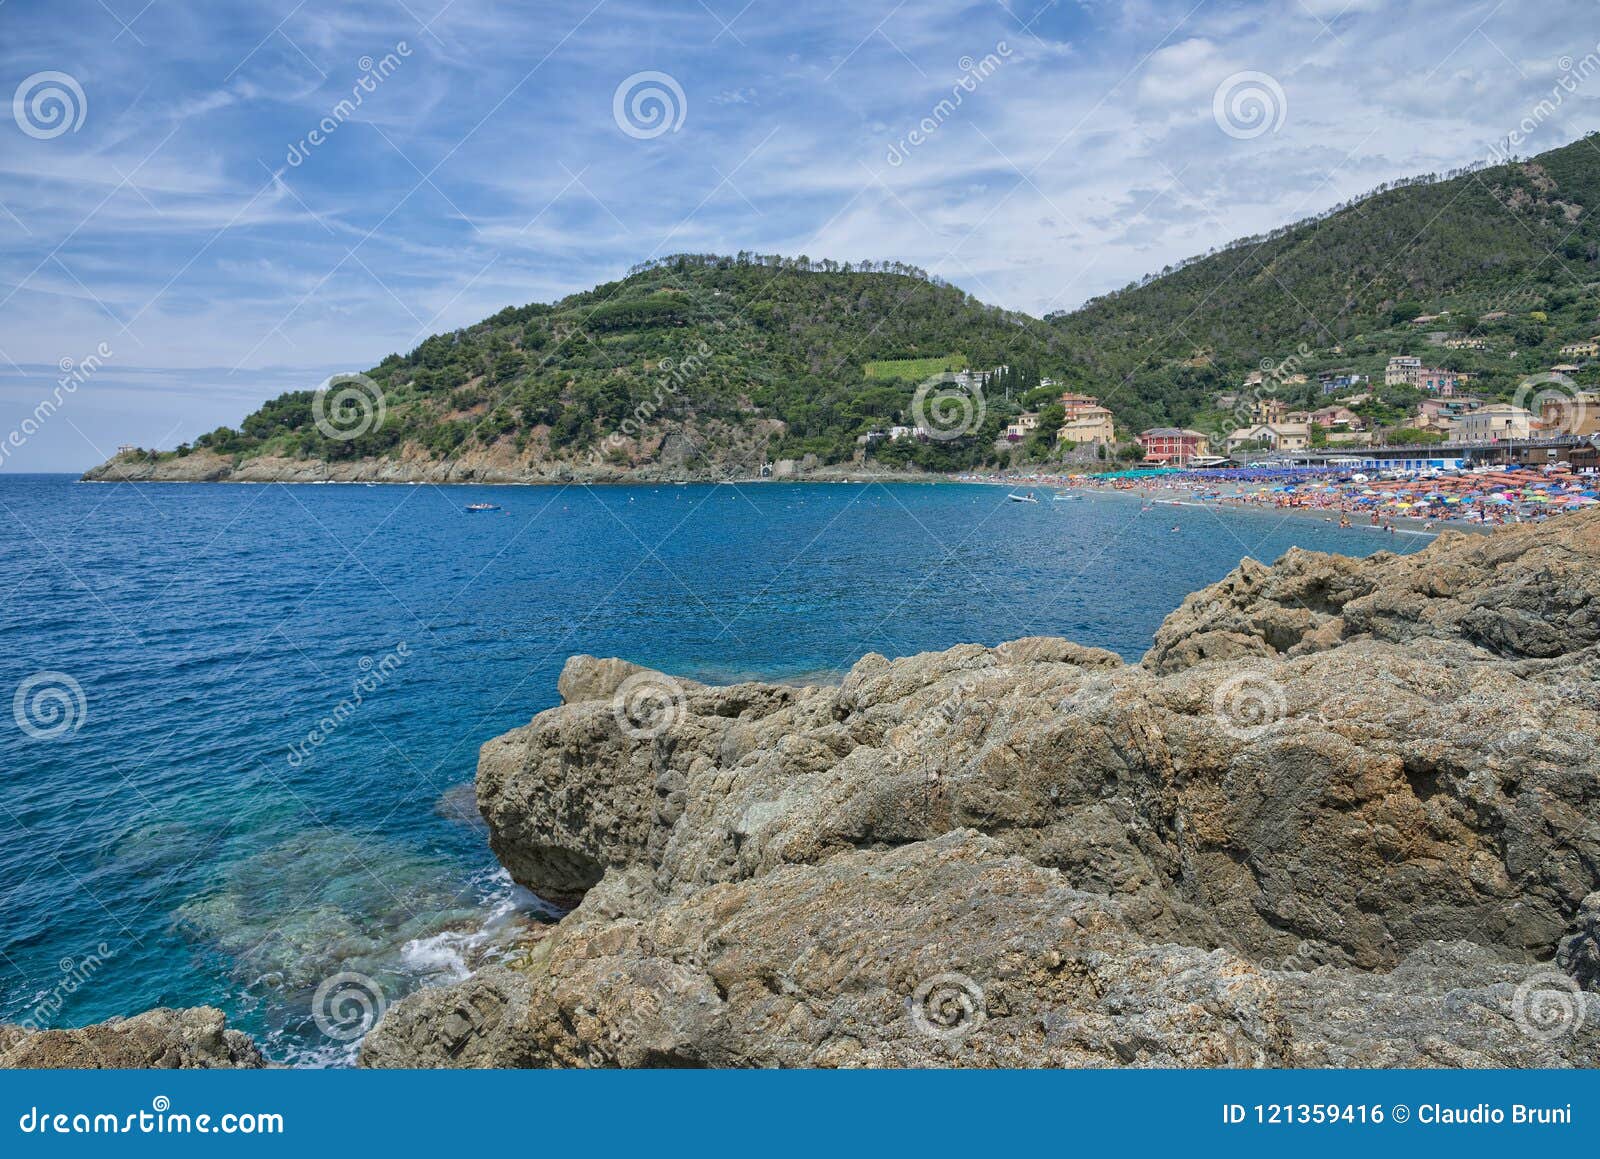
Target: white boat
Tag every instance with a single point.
(1028, 498)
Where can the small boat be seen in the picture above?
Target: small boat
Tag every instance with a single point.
(476, 507)
(1028, 498)
(1062, 498)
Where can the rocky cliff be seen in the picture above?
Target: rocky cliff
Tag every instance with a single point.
(1344, 813)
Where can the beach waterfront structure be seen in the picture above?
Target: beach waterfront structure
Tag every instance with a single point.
(1495, 422)
(1174, 445)
(1273, 436)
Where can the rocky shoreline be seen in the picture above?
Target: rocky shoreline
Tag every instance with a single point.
(1343, 813)
(476, 468)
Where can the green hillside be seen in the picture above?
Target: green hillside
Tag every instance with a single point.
(828, 350)
(1520, 239)
(789, 356)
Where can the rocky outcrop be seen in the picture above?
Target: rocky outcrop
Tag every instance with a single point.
(1344, 813)
(163, 1039)
(1530, 591)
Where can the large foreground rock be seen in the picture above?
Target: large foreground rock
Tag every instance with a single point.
(1344, 813)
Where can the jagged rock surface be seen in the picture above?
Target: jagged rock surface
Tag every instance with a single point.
(163, 1039)
(1344, 813)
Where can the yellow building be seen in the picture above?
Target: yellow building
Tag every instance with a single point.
(1090, 424)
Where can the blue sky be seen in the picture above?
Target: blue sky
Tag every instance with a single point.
(183, 219)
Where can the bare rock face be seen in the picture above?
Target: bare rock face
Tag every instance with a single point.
(163, 1039)
(1343, 814)
(1530, 591)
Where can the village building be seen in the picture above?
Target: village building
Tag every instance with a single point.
(1494, 423)
(1460, 343)
(1407, 370)
(1589, 348)
(1333, 418)
(1403, 370)
(1335, 382)
(1175, 445)
(1092, 424)
(1024, 426)
(1272, 436)
(1268, 410)
(1577, 415)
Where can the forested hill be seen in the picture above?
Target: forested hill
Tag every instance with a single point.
(750, 358)
(1520, 239)
(806, 355)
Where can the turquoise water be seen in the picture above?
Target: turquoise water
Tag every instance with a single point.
(283, 690)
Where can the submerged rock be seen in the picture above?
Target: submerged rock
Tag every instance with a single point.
(1342, 814)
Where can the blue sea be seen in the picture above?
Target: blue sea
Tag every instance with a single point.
(245, 719)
